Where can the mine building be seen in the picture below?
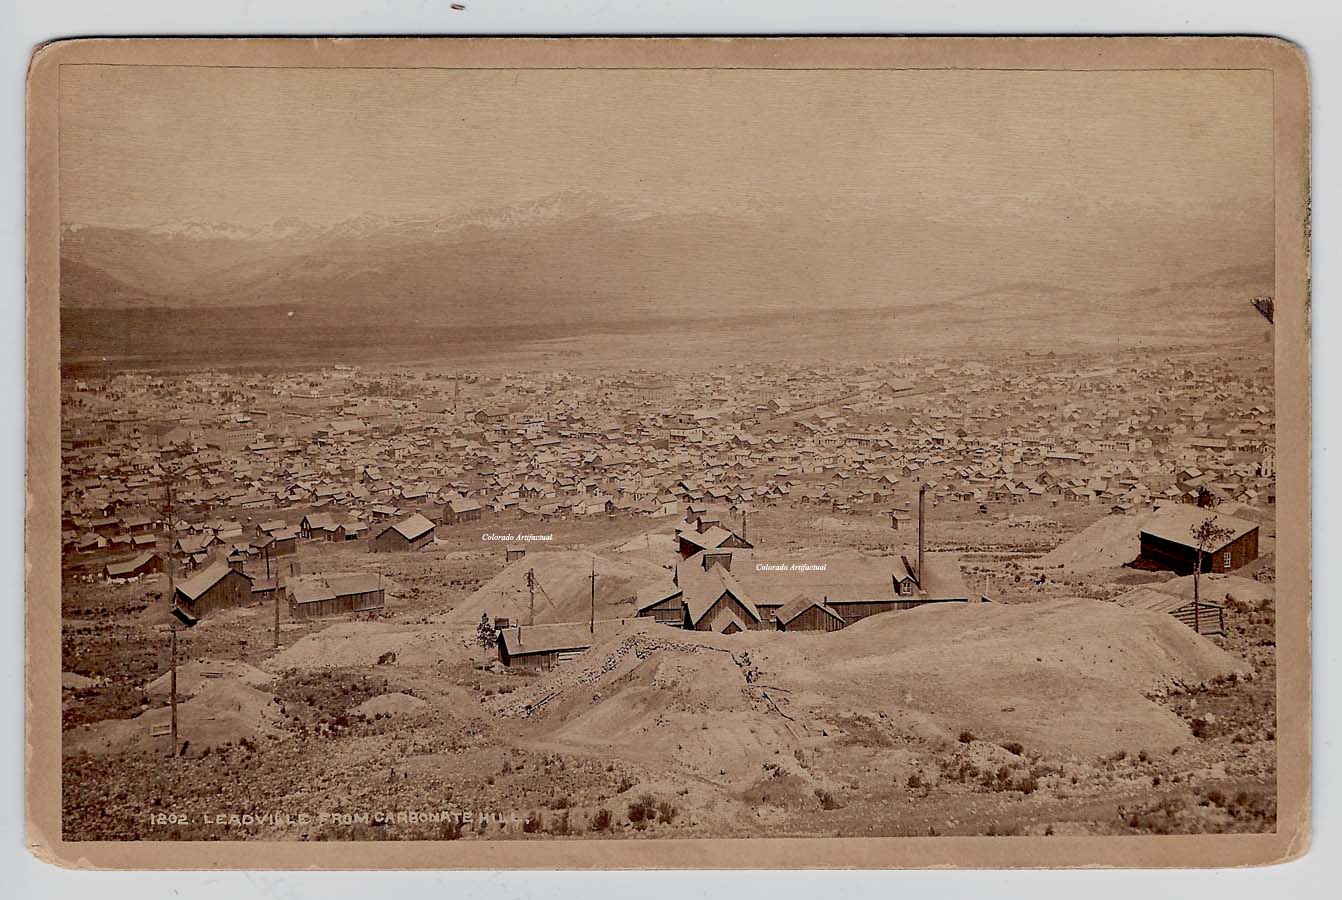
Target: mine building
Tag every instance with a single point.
(808, 614)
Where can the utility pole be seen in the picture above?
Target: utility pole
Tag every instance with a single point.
(275, 590)
(593, 626)
(172, 687)
(531, 590)
(922, 492)
(172, 602)
(172, 535)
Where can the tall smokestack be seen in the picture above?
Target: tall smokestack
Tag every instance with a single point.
(922, 492)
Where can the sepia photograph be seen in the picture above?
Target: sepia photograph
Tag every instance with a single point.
(674, 441)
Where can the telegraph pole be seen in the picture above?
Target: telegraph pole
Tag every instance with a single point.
(173, 689)
(172, 602)
(593, 626)
(531, 589)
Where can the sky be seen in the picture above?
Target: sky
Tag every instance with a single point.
(143, 146)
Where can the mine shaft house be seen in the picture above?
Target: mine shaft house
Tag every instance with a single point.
(1168, 542)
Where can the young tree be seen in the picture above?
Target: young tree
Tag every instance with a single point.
(1206, 536)
(485, 632)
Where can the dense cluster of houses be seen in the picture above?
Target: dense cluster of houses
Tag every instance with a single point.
(361, 452)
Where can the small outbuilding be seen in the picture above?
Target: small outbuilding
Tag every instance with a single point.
(540, 648)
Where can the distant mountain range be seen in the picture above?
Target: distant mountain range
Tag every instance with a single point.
(576, 258)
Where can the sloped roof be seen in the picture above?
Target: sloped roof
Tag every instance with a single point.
(520, 640)
(324, 521)
(1175, 525)
(410, 528)
(202, 581)
(459, 505)
(795, 608)
(315, 588)
(703, 589)
(117, 570)
(651, 596)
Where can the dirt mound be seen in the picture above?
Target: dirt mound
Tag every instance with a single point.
(663, 697)
(1070, 675)
(194, 675)
(564, 589)
(346, 644)
(1214, 588)
(220, 710)
(390, 704)
(1105, 544)
(1073, 676)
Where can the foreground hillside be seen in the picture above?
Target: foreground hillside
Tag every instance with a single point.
(1061, 716)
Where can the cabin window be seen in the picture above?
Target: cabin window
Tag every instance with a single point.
(1226, 558)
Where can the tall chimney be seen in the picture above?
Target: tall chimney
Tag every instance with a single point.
(922, 491)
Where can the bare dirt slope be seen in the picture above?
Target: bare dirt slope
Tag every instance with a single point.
(1071, 676)
(1068, 675)
(1109, 542)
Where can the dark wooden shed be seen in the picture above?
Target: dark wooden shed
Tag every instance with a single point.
(216, 586)
(1167, 541)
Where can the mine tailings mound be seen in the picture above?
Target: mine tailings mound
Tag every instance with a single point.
(1104, 544)
(220, 702)
(658, 696)
(564, 589)
(1068, 676)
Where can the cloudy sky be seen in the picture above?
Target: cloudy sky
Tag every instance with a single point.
(149, 145)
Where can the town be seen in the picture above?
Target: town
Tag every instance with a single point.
(341, 546)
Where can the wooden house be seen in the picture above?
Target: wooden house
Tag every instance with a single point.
(460, 510)
(312, 596)
(215, 586)
(413, 533)
(143, 564)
